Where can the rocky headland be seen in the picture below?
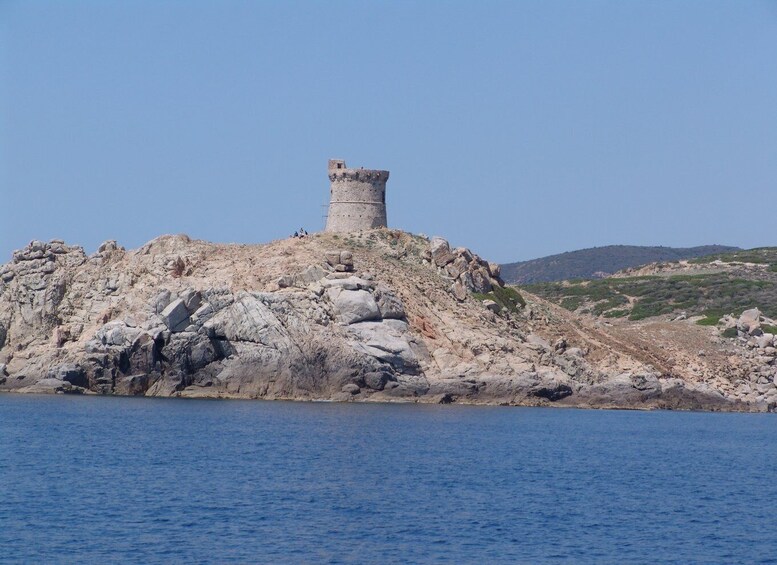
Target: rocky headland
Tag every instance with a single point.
(380, 315)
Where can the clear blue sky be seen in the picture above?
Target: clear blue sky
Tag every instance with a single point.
(519, 129)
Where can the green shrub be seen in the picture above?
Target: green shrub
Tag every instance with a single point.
(757, 255)
(642, 311)
(710, 294)
(616, 313)
(510, 297)
(729, 332)
(769, 329)
(709, 320)
(605, 305)
(506, 297)
(572, 303)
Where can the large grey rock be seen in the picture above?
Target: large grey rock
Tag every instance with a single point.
(109, 246)
(203, 314)
(350, 282)
(389, 304)
(765, 340)
(48, 386)
(456, 267)
(441, 251)
(466, 281)
(248, 319)
(117, 333)
(749, 321)
(572, 365)
(352, 306)
(332, 257)
(388, 341)
(175, 315)
(646, 382)
(311, 274)
(574, 352)
(134, 385)
(191, 300)
(624, 390)
(537, 341)
(346, 258)
(464, 253)
(459, 291)
(71, 373)
(160, 301)
(752, 315)
(481, 281)
(219, 298)
(377, 380)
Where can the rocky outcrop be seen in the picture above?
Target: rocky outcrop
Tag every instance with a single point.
(467, 271)
(378, 316)
(340, 260)
(322, 333)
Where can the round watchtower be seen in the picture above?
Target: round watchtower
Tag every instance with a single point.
(357, 198)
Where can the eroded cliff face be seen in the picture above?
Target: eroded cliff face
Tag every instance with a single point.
(379, 315)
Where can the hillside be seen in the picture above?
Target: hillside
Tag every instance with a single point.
(380, 315)
(725, 283)
(710, 316)
(598, 262)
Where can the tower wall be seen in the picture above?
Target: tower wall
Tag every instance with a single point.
(357, 198)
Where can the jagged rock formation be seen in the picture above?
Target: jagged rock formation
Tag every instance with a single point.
(378, 315)
(469, 272)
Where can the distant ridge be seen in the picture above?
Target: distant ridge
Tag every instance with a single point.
(598, 262)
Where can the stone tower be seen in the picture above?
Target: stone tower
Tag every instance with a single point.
(357, 198)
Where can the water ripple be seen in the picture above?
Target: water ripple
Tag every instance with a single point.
(94, 480)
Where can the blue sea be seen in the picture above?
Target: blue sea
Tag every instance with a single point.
(141, 480)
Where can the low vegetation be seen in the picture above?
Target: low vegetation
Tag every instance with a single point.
(711, 318)
(708, 294)
(711, 295)
(759, 255)
(506, 297)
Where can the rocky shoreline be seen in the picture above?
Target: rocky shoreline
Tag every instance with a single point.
(378, 316)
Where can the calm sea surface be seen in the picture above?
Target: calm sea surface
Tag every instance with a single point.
(97, 480)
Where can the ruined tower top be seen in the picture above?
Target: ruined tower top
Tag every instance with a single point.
(357, 198)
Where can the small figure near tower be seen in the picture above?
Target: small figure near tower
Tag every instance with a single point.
(357, 198)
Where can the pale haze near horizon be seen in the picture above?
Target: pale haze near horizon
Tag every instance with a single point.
(519, 129)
